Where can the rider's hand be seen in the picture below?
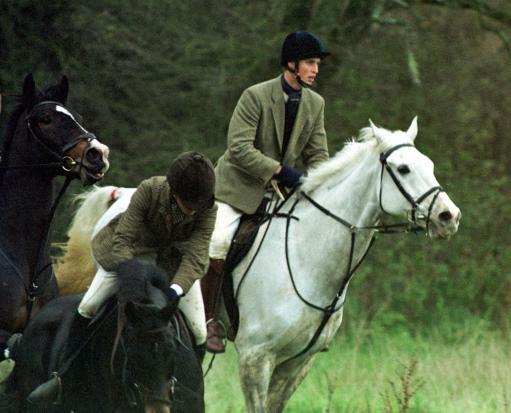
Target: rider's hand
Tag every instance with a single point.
(288, 176)
(172, 295)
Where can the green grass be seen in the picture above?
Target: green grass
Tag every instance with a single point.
(461, 370)
(464, 369)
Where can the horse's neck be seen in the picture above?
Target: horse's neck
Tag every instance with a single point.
(321, 243)
(26, 196)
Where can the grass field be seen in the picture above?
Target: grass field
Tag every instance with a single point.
(449, 370)
(464, 370)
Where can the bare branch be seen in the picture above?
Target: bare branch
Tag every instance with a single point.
(480, 6)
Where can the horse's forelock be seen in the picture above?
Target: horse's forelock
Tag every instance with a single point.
(135, 278)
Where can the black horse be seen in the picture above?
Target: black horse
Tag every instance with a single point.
(42, 139)
(137, 357)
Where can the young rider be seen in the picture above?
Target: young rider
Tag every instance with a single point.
(275, 125)
(169, 219)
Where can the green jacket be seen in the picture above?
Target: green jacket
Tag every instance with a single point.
(254, 143)
(153, 224)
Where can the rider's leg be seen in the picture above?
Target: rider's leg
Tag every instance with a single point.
(193, 309)
(103, 286)
(227, 221)
(211, 285)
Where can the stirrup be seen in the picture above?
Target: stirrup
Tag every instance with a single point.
(221, 334)
(223, 329)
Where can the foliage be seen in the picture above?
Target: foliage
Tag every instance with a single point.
(155, 78)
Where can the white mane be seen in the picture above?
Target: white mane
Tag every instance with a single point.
(354, 150)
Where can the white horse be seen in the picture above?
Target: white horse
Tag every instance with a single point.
(290, 288)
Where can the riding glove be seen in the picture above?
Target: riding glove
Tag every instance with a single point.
(289, 176)
(172, 295)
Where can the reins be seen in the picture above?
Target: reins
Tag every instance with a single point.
(334, 307)
(33, 288)
(412, 226)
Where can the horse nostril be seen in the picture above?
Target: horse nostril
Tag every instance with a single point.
(93, 155)
(445, 216)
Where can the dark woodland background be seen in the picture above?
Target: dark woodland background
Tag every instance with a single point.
(155, 78)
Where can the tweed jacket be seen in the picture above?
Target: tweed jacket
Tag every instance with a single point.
(154, 225)
(254, 143)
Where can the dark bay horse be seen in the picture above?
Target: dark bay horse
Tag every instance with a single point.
(42, 139)
(136, 357)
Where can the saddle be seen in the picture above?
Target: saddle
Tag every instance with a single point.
(242, 241)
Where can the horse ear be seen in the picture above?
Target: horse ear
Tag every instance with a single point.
(376, 130)
(29, 92)
(62, 90)
(412, 130)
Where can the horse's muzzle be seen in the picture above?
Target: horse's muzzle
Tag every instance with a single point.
(94, 163)
(444, 218)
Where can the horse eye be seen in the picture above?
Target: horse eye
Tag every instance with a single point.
(45, 120)
(403, 169)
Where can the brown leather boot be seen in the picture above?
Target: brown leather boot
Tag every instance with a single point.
(211, 286)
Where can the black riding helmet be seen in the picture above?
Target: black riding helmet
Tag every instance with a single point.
(191, 177)
(299, 46)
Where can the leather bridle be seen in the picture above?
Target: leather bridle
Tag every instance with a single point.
(416, 214)
(66, 162)
(137, 394)
(61, 159)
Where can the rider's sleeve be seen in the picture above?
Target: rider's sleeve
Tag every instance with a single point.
(241, 136)
(316, 149)
(130, 227)
(195, 250)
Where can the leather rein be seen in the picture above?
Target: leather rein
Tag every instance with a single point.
(411, 226)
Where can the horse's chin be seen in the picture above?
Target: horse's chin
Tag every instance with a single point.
(441, 233)
(89, 178)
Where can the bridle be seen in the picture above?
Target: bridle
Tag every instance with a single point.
(67, 164)
(416, 214)
(137, 394)
(412, 226)
(61, 159)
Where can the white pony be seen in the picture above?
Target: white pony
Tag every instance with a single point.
(290, 288)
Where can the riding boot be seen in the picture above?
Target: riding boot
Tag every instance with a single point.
(50, 391)
(211, 286)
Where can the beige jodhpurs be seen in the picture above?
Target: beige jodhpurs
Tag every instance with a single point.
(226, 224)
(105, 284)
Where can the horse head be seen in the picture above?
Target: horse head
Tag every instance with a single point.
(149, 338)
(408, 186)
(59, 134)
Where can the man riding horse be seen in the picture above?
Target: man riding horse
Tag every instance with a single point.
(274, 124)
(170, 220)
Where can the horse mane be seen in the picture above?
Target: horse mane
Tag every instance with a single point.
(134, 277)
(343, 161)
(12, 123)
(341, 164)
